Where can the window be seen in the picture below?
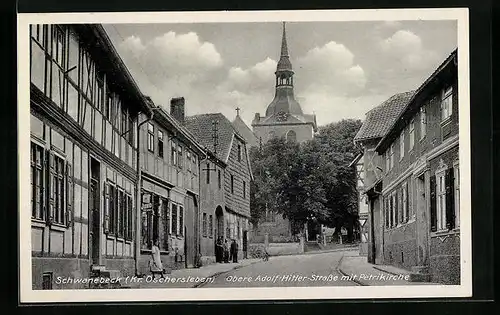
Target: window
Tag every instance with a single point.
(37, 186)
(160, 143)
(387, 161)
(446, 104)
(47, 280)
(166, 221)
(204, 225)
(58, 46)
(456, 186)
(179, 157)
(173, 153)
(219, 179)
(232, 184)
(174, 220)
(391, 156)
(239, 153)
(394, 221)
(412, 134)
(423, 122)
(405, 202)
(57, 191)
(210, 226)
(181, 221)
(441, 201)
(151, 137)
(291, 136)
(100, 91)
(402, 145)
(208, 173)
(244, 190)
(130, 218)
(121, 213)
(195, 165)
(188, 161)
(387, 212)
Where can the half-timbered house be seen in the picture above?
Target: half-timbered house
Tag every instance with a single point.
(84, 112)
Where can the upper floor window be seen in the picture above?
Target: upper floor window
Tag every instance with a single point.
(188, 161)
(391, 156)
(423, 122)
(244, 190)
(239, 153)
(232, 184)
(58, 46)
(412, 134)
(160, 143)
(179, 157)
(208, 173)
(151, 137)
(387, 161)
(173, 153)
(37, 182)
(447, 104)
(219, 180)
(402, 145)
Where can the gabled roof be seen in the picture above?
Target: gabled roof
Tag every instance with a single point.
(379, 119)
(245, 131)
(444, 74)
(201, 126)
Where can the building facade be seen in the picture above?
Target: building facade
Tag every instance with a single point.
(170, 196)
(375, 126)
(225, 178)
(84, 110)
(417, 199)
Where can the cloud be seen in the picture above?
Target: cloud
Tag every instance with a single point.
(257, 78)
(407, 48)
(330, 68)
(171, 63)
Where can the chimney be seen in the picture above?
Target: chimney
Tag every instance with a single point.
(177, 108)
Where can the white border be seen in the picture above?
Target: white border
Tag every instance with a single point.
(27, 295)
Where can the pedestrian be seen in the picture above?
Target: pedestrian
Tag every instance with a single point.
(157, 266)
(219, 251)
(234, 251)
(226, 251)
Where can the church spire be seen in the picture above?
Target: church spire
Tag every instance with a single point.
(284, 46)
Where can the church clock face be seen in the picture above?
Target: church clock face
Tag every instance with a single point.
(281, 116)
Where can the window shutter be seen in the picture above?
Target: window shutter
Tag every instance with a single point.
(69, 194)
(106, 208)
(407, 196)
(50, 189)
(433, 203)
(450, 199)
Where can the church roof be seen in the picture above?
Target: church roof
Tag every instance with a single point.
(379, 119)
(201, 127)
(245, 131)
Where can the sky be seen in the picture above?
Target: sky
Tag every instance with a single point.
(342, 69)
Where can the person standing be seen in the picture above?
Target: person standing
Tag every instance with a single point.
(226, 251)
(234, 251)
(156, 255)
(219, 250)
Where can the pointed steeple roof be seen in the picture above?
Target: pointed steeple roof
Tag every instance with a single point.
(284, 63)
(284, 46)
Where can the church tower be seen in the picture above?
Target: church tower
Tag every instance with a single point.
(284, 116)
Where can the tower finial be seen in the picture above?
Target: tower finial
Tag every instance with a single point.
(284, 46)
(237, 111)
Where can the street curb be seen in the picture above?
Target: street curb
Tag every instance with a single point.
(339, 269)
(389, 272)
(316, 252)
(215, 275)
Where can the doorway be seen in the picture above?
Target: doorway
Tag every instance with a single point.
(95, 212)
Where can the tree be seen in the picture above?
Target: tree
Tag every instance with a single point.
(310, 179)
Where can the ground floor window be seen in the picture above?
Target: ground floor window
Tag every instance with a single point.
(155, 221)
(51, 186)
(444, 200)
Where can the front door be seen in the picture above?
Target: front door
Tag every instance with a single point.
(190, 232)
(95, 216)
